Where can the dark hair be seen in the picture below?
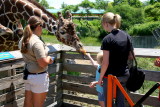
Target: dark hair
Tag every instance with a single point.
(33, 22)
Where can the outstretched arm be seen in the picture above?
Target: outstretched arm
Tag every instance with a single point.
(104, 67)
(92, 84)
(94, 63)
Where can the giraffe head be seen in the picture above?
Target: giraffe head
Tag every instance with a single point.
(66, 32)
(5, 30)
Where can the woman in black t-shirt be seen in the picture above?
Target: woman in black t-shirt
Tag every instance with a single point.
(116, 51)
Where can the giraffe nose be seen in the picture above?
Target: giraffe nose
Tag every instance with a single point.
(80, 45)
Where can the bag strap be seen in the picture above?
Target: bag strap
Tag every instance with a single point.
(130, 44)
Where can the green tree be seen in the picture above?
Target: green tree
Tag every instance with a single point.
(101, 4)
(152, 12)
(71, 8)
(154, 1)
(51, 7)
(135, 3)
(63, 5)
(37, 1)
(87, 5)
(44, 3)
(130, 15)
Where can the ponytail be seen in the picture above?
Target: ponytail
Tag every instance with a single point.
(26, 37)
(117, 19)
(113, 19)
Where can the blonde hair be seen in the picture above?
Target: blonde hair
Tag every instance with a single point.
(112, 19)
(100, 58)
(33, 22)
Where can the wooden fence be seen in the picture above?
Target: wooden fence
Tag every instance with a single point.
(70, 76)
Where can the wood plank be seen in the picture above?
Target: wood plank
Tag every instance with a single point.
(52, 90)
(151, 101)
(70, 105)
(11, 81)
(49, 101)
(78, 79)
(152, 75)
(16, 103)
(12, 94)
(11, 65)
(79, 88)
(80, 68)
(139, 52)
(147, 52)
(79, 56)
(52, 68)
(54, 104)
(80, 99)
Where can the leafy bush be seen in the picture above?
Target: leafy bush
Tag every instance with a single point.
(152, 12)
(144, 29)
(89, 28)
(130, 15)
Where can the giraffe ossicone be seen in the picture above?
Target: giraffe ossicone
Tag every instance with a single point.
(12, 11)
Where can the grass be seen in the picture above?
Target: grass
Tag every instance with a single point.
(87, 41)
(50, 39)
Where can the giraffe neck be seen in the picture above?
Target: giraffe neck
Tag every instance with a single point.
(14, 10)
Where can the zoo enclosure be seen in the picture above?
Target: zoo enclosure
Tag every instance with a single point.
(69, 79)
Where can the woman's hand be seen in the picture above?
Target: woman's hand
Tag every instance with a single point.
(43, 62)
(51, 60)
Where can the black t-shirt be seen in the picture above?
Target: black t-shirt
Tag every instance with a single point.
(118, 45)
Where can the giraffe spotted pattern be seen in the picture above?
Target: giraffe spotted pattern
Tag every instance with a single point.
(12, 11)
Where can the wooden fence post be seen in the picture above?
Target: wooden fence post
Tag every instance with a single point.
(59, 90)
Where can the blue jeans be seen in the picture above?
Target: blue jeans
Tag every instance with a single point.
(120, 99)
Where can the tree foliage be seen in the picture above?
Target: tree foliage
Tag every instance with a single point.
(152, 12)
(135, 3)
(101, 4)
(154, 1)
(44, 3)
(87, 4)
(130, 15)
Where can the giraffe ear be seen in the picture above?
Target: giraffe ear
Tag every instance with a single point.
(60, 16)
(69, 15)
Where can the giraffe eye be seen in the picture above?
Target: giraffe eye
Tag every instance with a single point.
(62, 32)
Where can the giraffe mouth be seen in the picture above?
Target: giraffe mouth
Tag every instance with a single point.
(8, 32)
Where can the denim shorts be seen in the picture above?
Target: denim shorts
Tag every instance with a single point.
(100, 96)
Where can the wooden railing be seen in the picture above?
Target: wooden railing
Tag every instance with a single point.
(70, 76)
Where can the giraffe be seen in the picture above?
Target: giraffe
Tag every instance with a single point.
(5, 33)
(12, 11)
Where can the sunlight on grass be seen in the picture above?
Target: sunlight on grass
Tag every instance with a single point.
(87, 41)
(50, 39)
(90, 41)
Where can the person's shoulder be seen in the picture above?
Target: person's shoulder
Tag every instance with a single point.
(35, 39)
(124, 32)
(108, 36)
